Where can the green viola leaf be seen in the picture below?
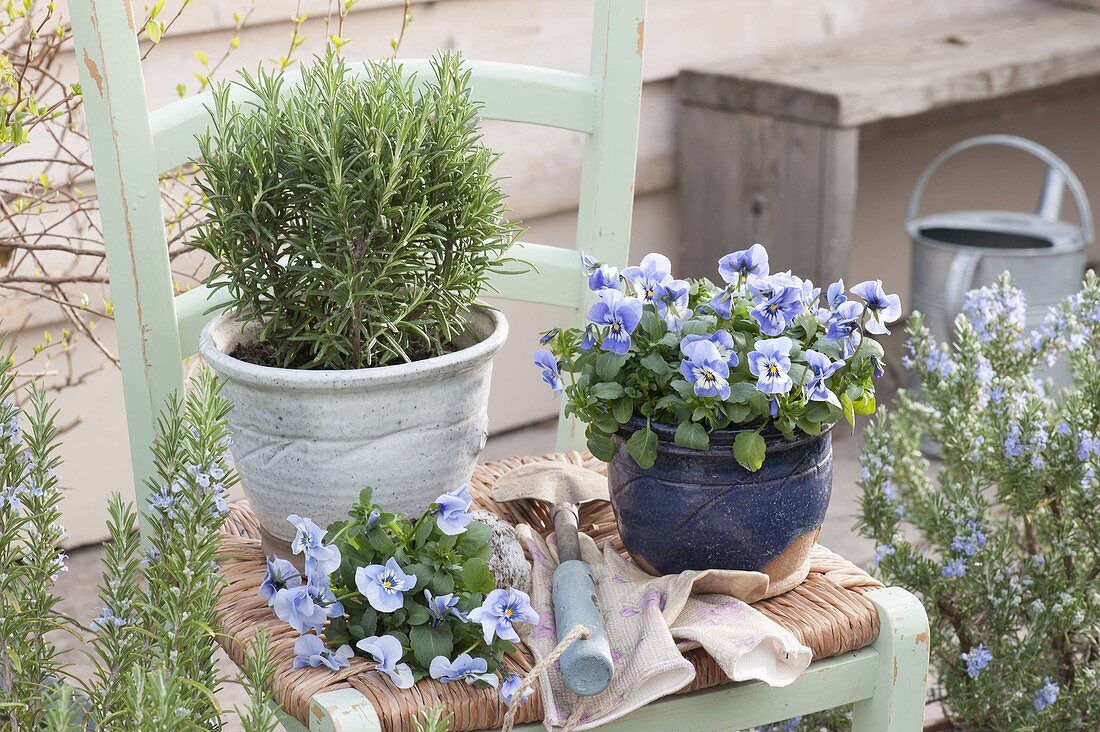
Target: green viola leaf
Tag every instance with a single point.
(849, 409)
(692, 435)
(741, 392)
(475, 537)
(684, 389)
(423, 573)
(642, 446)
(428, 642)
(607, 390)
(418, 614)
(442, 584)
(424, 529)
(601, 446)
(609, 364)
(622, 410)
(605, 422)
(656, 364)
(476, 576)
(748, 449)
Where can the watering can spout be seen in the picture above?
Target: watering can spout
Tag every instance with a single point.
(1050, 198)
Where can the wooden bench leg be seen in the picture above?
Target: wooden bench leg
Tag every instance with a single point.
(902, 645)
(747, 178)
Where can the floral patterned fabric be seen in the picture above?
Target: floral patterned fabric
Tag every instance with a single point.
(651, 621)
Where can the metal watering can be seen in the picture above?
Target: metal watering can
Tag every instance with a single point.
(957, 251)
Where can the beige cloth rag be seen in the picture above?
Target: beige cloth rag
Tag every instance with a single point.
(650, 622)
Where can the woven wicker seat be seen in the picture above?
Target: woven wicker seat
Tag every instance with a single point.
(827, 612)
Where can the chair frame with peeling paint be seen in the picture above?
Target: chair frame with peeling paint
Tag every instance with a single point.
(157, 329)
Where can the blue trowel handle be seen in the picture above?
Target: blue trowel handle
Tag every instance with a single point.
(586, 665)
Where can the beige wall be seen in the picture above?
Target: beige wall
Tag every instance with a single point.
(543, 165)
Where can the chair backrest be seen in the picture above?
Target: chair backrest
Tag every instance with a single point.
(131, 146)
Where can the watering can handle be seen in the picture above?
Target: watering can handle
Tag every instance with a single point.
(960, 277)
(1058, 175)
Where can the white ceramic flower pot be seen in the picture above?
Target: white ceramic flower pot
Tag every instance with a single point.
(306, 442)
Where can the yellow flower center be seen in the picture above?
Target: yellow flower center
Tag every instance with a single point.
(773, 370)
(615, 327)
(388, 584)
(773, 307)
(508, 612)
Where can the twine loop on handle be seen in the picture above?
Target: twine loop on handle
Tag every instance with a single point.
(578, 632)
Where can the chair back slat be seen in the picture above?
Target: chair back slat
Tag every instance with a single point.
(131, 146)
(509, 92)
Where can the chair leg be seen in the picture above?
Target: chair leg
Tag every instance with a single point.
(345, 710)
(902, 645)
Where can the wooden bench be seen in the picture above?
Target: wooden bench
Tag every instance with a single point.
(768, 147)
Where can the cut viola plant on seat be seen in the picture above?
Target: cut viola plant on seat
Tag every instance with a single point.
(714, 403)
(417, 597)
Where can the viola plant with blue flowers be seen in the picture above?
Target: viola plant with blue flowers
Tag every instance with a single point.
(1000, 541)
(416, 597)
(759, 351)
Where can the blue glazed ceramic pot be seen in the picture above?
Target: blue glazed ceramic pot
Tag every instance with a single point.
(701, 510)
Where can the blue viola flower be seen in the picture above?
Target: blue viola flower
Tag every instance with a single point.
(620, 314)
(440, 606)
(735, 268)
(463, 668)
(386, 652)
(280, 574)
(1047, 694)
(672, 303)
(705, 369)
(508, 688)
(384, 585)
(589, 263)
(882, 308)
(770, 363)
(954, 568)
(776, 308)
(647, 279)
(311, 652)
(821, 368)
(722, 304)
(834, 295)
(372, 518)
(454, 511)
(310, 539)
(545, 360)
(843, 327)
(976, 659)
(604, 277)
(501, 610)
(307, 606)
(721, 339)
(591, 337)
(549, 336)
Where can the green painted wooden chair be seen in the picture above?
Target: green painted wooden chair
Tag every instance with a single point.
(157, 330)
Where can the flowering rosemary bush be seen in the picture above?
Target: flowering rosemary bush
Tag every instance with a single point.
(151, 645)
(357, 219)
(760, 351)
(1001, 545)
(417, 597)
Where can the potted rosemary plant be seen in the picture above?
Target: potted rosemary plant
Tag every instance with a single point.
(713, 405)
(353, 222)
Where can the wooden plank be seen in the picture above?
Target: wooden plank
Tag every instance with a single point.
(747, 178)
(889, 75)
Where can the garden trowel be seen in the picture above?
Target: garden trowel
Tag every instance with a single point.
(586, 665)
